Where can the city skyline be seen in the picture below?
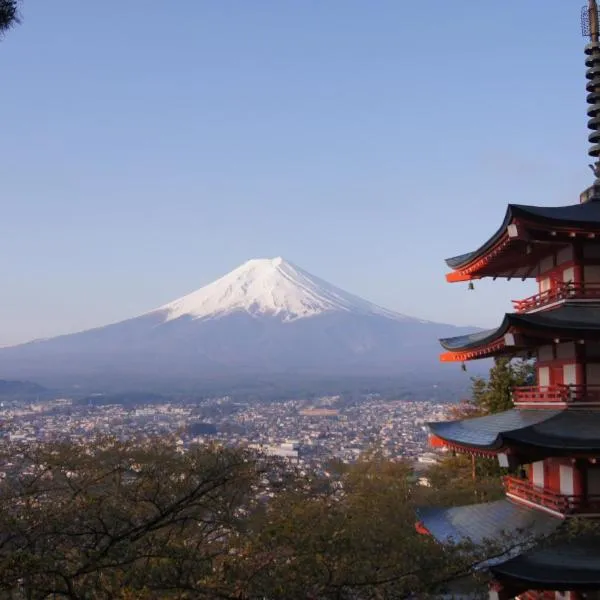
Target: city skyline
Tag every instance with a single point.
(149, 154)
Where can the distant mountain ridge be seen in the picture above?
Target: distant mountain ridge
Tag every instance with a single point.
(266, 317)
(9, 388)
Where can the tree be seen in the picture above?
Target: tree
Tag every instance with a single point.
(354, 539)
(488, 396)
(494, 395)
(9, 15)
(117, 518)
(464, 479)
(142, 520)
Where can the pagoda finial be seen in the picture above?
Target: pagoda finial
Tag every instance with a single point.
(592, 20)
(591, 29)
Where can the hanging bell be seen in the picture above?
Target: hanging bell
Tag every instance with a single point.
(471, 286)
(463, 366)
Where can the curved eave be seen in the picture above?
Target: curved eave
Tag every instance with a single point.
(481, 344)
(489, 521)
(475, 340)
(578, 218)
(567, 565)
(490, 433)
(438, 442)
(543, 432)
(462, 261)
(463, 446)
(570, 321)
(566, 433)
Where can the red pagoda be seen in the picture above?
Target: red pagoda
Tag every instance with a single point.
(550, 441)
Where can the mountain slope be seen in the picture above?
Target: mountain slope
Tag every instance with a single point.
(270, 287)
(265, 317)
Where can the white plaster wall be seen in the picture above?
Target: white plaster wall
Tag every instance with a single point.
(544, 376)
(546, 264)
(593, 480)
(568, 274)
(537, 473)
(592, 350)
(567, 483)
(564, 255)
(565, 350)
(591, 273)
(545, 353)
(570, 374)
(592, 372)
(544, 284)
(591, 251)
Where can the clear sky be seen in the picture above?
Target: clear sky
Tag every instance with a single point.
(148, 147)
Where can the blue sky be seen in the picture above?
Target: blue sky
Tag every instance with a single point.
(148, 147)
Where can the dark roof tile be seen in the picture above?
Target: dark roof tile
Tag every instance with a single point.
(566, 216)
(486, 432)
(491, 521)
(565, 565)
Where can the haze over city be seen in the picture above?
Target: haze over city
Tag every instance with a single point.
(151, 151)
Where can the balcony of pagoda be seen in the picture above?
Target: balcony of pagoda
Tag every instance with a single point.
(523, 490)
(562, 291)
(556, 395)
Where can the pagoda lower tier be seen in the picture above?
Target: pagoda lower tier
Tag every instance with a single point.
(503, 522)
(552, 458)
(527, 550)
(568, 564)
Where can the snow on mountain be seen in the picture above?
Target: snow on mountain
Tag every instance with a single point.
(270, 287)
(267, 318)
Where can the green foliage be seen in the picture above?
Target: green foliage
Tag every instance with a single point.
(9, 15)
(452, 482)
(494, 395)
(146, 521)
(355, 540)
(91, 522)
(488, 396)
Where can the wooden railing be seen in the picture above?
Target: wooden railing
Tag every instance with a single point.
(566, 505)
(561, 291)
(556, 393)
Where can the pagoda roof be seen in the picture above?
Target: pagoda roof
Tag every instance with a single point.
(582, 218)
(555, 432)
(489, 432)
(564, 565)
(487, 522)
(576, 321)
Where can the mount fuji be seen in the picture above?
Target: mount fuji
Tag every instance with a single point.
(266, 318)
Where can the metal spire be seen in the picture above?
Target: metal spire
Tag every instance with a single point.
(590, 28)
(590, 21)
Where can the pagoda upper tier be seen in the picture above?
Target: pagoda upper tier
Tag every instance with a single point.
(520, 333)
(526, 237)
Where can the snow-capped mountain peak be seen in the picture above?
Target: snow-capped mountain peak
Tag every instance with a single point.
(273, 287)
(268, 317)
